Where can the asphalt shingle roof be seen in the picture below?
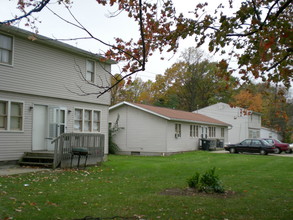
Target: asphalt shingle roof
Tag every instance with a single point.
(173, 114)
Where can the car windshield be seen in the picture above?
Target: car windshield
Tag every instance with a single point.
(266, 143)
(278, 141)
(269, 141)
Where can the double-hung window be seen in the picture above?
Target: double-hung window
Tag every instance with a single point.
(6, 46)
(11, 116)
(212, 131)
(177, 130)
(90, 71)
(193, 130)
(87, 120)
(96, 121)
(222, 132)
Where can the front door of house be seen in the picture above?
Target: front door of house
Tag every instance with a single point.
(57, 124)
(40, 122)
(48, 123)
(204, 132)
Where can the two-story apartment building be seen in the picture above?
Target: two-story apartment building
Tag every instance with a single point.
(39, 82)
(245, 123)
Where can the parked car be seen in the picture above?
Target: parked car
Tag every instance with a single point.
(290, 150)
(252, 146)
(280, 147)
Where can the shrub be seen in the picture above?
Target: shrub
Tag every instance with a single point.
(113, 147)
(208, 182)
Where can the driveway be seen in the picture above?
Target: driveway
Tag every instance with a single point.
(9, 170)
(278, 155)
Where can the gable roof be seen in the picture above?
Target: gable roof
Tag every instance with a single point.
(52, 43)
(173, 115)
(221, 104)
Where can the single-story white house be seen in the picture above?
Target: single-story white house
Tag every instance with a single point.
(269, 133)
(152, 130)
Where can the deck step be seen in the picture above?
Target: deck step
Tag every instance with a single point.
(39, 154)
(43, 159)
(39, 157)
(36, 164)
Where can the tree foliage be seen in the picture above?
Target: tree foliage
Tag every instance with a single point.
(258, 34)
(188, 84)
(271, 102)
(195, 82)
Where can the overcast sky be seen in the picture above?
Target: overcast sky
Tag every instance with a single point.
(95, 18)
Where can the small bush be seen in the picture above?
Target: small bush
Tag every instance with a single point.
(113, 147)
(193, 181)
(208, 182)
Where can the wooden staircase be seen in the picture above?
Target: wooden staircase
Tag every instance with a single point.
(40, 159)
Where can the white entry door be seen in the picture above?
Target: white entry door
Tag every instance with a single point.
(57, 124)
(40, 123)
(204, 132)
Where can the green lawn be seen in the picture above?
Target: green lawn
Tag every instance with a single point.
(130, 186)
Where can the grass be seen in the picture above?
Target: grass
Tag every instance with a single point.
(130, 186)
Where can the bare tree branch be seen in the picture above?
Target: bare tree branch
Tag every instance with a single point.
(36, 9)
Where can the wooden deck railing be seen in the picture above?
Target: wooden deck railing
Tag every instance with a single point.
(94, 143)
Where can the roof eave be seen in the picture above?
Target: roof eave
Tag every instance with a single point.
(200, 122)
(140, 108)
(54, 43)
(167, 118)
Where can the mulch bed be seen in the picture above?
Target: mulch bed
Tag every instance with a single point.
(194, 192)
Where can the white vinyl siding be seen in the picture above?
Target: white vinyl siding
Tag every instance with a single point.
(86, 120)
(50, 72)
(6, 47)
(14, 144)
(11, 116)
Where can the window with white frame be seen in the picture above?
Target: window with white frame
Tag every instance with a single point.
(254, 133)
(87, 120)
(193, 130)
(6, 45)
(11, 116)
(177, 130)
(90, 71)
(96, 121)
(3, 115)
(212, 131)
(222, 132)
(78, 120)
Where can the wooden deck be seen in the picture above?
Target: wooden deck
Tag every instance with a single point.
(64, 156)
(93, 143)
